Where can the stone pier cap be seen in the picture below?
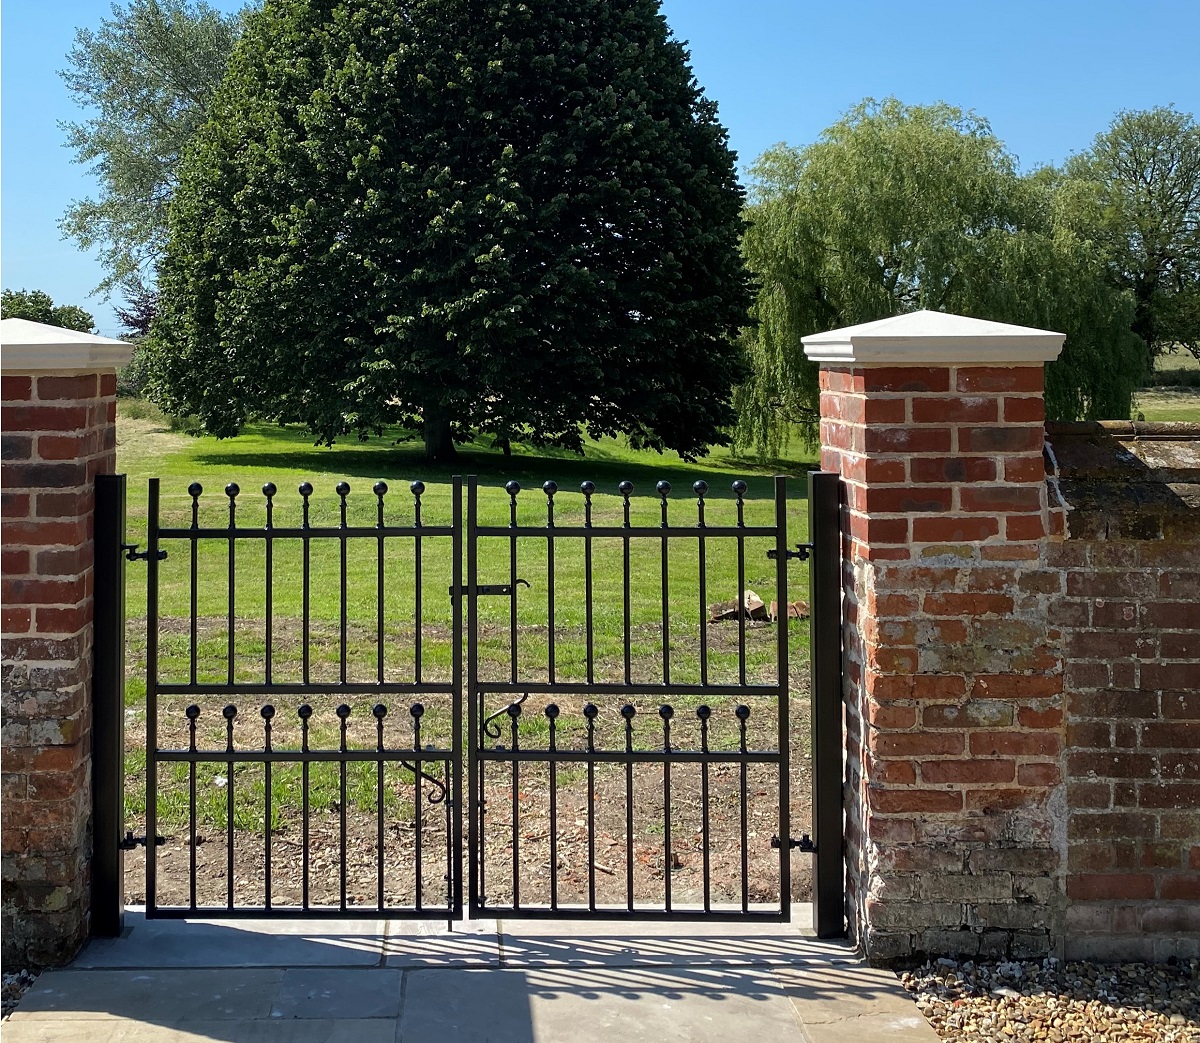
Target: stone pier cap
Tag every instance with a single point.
(933, 338)
(35, 347)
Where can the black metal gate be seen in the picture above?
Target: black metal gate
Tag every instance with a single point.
(566, 730)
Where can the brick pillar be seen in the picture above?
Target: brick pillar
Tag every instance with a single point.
(952, 675)
(58, 423)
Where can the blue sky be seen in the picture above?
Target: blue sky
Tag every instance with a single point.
(1049, 75)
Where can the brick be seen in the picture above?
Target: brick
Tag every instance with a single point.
(1182, 585)
(1049, 717)
(906, 500)
(998, 379)
(14, 505)
(1110, 765)
(1175, 795)
(1038, 775)
(905, 378)
(16, 447)
(1089, 795)
(966, 410)
(954, 530)
(62, 447)
(38, 475)
(1093, 735)
(1025, 410)
(1015, 744)
(1040, 582)
(879, 530)
(37, 417)
(1022, 526)
(40, 591)
(893, 718)
(1184, 886)
(14, 561)
(967, 604)
(1016, 686)
(16, 619)
(46, 533)
(1180, 646)
(16, 388)
(1181, 706)
(1178, 735)
(56, 561)
(64, 505)
(976, 713)
(83, 385)
(1102, 886)
(1172, 677)
(968, 771)
(1100, 644)
(1112, 703)
(908, 440)
(908, 801)
(993, 800)
(1112, 825)
(937, 469)
(1001, 439)
(919, 686)
(1109, 584)
(63, 620)
(916, 744)
(999, 499)
(1172, 615)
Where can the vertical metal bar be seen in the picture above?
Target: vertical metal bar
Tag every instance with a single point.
(700, 488)
(454, 830)
(380, 491)
(512, 488)
(783, 705)
(108, 708)
(743, 713)
(152, 500)
(418, 852)
(305, 491)
(664, 490)
(552, 715)
(193, 713)
(343, 490)
(343, 713)
(475, 881)
(194, 490)
(589, 712)
(269, 492)
(380, 712)
(514, 712)
(739, 488)
(232, 490)
(587, 488)
(627, 711)
(230, 713)
(666, 713)
(304, 714)
(626, 490)
(417, 488)
(825, 622)
(549, 488)
(704, 713)
(268, 712)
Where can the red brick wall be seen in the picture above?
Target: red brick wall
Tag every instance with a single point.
(1130, 616)
(58, 434)
(953, 675)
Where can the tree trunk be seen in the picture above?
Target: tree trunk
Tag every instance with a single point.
(439, 445)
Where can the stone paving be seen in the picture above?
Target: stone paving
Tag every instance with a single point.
(483, 982)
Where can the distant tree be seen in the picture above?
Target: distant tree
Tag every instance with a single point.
(38, 306)
(1137, 192)
(148, 73)
(458, 215)
(898, 208)
(138, 317)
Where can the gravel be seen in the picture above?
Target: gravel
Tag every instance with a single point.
(13, 988)
(1060, 1003)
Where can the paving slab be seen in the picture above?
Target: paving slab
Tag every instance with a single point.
(238, 943)
(577, 1005)
(311, 992)
(130, 1031)
(430, 943)
(838, 1002)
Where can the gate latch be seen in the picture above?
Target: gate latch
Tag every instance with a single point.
(804, 843)
(799, 554)
(130, 842)
(133, 554)
(506, 590)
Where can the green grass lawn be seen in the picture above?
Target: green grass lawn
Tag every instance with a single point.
(1166, 404)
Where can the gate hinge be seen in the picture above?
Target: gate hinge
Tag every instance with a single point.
(133, 554)
(130, 841)
(483, 589)
(799, 554)
(804, 843)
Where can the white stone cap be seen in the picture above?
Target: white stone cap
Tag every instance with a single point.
(32, 347)
(923, 338)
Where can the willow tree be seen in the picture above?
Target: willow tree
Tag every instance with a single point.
(898, 208)
(458, 216)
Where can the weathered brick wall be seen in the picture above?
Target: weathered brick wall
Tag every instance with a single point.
(58, 434)
(1130, 616)
(953, 676)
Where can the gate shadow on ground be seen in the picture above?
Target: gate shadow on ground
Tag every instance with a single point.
(518, 982)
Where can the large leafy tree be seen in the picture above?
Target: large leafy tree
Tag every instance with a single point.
(458, 215)
(898, 208)
(39, 306)
(1137, 192)
(147, 75)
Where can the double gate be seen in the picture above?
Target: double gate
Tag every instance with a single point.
(507, 704)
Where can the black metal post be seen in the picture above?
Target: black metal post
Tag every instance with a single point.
(825, 608)
(108, 708)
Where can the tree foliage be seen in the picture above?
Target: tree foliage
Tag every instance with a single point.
(1136, 191)
(148, 73)
(39, 306)
(458, 215)
(898, 208)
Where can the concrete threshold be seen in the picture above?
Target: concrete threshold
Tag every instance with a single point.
(499, 981)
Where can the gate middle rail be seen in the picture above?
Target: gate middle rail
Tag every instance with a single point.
(501, 703)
